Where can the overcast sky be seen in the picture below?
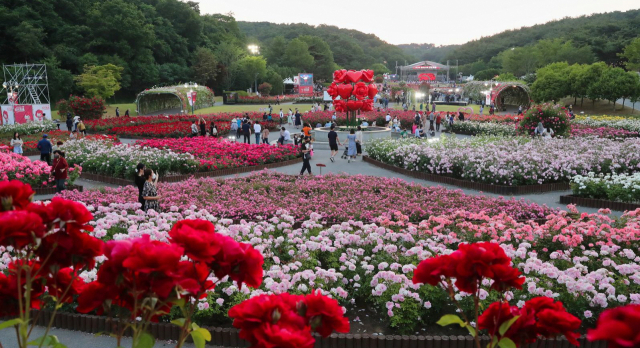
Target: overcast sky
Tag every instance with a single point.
(416, 21)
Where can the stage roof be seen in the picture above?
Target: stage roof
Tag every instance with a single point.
(424, 65)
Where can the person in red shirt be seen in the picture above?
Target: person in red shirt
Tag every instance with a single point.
(438, 120)
(59, 169)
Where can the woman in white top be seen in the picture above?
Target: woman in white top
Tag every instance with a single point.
(17, 143)
(359, 140)
(547, 133)
(290, 117)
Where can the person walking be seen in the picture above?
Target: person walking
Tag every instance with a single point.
(281, 117)
(246, 132)
(213, 130)
(359, 141)
(438, 121)
(139, 182)
(432, 118)
(298, 119)
(239, 127)
(257, 129)
(203, 127)
(82, 129)
(45, 147)
(305, 148)
(17, 143)
(265, 136)
(290, 117)
(333, 142)
(149, 191)
(76, 120)
(60, 168)
(433, 107)
(117, 111)
(351, 148)
(69, 122)
(234, 128)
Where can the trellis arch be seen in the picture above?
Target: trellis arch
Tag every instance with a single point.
(173, 97)
(513, 93)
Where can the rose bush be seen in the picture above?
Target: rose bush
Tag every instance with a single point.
(619, 188)
(31, 141)
(86, 108)
(554, 117)
(7, 130)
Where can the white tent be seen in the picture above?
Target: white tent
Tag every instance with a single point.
(288, 81)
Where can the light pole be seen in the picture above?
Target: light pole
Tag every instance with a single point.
(255, 49)
(256, 79)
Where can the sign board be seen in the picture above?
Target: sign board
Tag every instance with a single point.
(305, 82)
(24, 113)
(190, 98)
(193, 96)
(426, 67)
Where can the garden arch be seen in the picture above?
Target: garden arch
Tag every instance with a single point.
(511, 93)
(173, 98)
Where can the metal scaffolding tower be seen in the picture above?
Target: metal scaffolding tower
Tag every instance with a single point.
(31, 81)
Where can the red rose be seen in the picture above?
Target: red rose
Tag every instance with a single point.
(74, 215)
(361, 90)
(197, 239)
(367, 105)
(506, 277)
(332, 90)
(552, 319)
(325, 314)
(93, 296)
(619, 326)
(20, 228)
(367, 75)
(496, 314)
(75, 248)
(192, 278)
(476, 261)
(431, 270)
(340, 105)
(284, 336)
(14, 195)
(65, 279)
(240, 261)
(339, 76)
(152, 256)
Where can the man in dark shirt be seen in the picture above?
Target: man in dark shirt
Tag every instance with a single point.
(140, 182)
(246, 132)
(333, 142)
(45, 148)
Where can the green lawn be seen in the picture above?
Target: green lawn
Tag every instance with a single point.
(111, 110)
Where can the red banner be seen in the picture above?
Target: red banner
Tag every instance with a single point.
(23, 113)
(305, 90)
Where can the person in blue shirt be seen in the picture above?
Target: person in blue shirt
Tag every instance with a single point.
(45, 147)
(328, 124)
(365, 123)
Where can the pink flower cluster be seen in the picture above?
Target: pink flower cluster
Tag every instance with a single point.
(579, 130)
(18, 167)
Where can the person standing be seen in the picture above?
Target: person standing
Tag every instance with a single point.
(298, 119)
(306, 130)
(59, 169)
(239, 127)
(117, 111)
(139, 181)
(270, 108)
(334, 117)
(278, 100)
(351, 148)
(257, 129)
(76, 120)
(387, 118)
(290, 117)
(281, 117)
(305, 148)
(432, 118)
(126, 113)
(265, 136)
(433, 107)
(45, 147)
(359, 141)
(246, 132)
(69, 122)
(194, 129)
(333, 142)
(213, 130)
(481, 109)
(520, 109)
(438, 121)
(17, 143)
(82, 129)
(149, 191)
(203, 127)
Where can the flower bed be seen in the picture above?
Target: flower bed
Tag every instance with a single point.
(370, 265)
(581, 130)
(214, 153)
(31, 141)
(628, 124)
(7, 131)
(35, 173)
(482, 128)
(617, 188)
(334, 197)
(511, 161)
(104, 157)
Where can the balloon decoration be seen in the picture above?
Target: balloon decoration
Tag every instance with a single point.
(355, 90)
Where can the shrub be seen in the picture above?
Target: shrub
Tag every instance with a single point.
(551, 116)
(264, 88)
(86, 108)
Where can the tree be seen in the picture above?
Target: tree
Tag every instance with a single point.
(323, 65)
(249, 69)
(173, 74)
(379, 69)
(632, 54)
(552, 82)
(275, 51)
(100, 81)
(629, 86)
(588, 80)
(297, 55)
(275, 80)
(506, 77)
(612, 85)
(486, 74)
(228, 55)
(265, 88)
(205, 66)
(60, 80)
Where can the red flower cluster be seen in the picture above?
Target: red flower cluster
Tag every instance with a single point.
(540, 316)
(56, 233)
(352, 83)
(141, 268)
(620, 327)
(469, 265)
(286, 321)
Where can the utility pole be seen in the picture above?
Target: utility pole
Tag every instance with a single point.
(456, 70)
(448, 72)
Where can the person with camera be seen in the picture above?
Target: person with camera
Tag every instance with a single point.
(150, 191)
(305, 148)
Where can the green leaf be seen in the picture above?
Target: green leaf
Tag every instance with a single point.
(59, 345)
(198, 339)
(506, 343)
(472, 330)
(10, 323)
(178, 322)
(449, 319)
(46, 341)
(507, 324)
(145, 341)
(205, 333)
(179, 302)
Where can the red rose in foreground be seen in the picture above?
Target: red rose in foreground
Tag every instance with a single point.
(476, 261)
(332, 90)
(506, 277)
(367, 105)
(20, 228)
(65, 279)
(325, 314)
(340, 105)
(620, 327)
(240, 261)
(367, 75)
(339, 76)
(197, 239)
(152, 256)
(431, 271)
(496, 314)
(15, 194)
(283, 336)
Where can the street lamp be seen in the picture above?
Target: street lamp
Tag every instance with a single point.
(256, 79)
(186, 85)
(254, 49)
